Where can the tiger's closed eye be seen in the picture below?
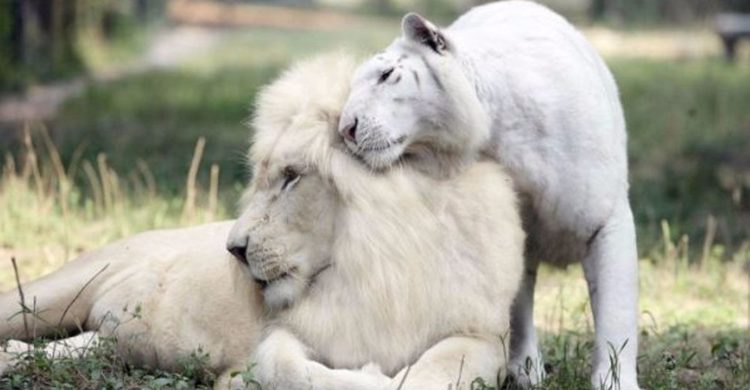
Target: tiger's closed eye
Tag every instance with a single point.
(291, 177)
(384, 76)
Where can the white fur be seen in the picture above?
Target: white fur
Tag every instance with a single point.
(556, 125)
(182, 291)
(419, 270)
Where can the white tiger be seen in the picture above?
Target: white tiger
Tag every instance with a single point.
(555, 122)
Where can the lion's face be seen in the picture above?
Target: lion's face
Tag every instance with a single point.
(285, 233)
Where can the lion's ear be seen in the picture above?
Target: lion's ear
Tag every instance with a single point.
(418, 29)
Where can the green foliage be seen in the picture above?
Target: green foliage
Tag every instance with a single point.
(689, 131)
(680, 357)
(100, 367)
(42, 41)
(652, 12)
(158, 117)
(736, 6)
(8, 73)
(39, 199)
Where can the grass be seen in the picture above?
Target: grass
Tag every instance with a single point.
(39, 198)
(689, 130)
(101, 368)
(124, 165)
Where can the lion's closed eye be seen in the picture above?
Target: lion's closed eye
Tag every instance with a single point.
(291, 177)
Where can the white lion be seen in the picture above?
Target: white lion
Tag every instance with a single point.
(555, 122)
(394, 268)
(352, 267)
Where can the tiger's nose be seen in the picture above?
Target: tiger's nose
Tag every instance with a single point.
(238, 250)
(349, 130)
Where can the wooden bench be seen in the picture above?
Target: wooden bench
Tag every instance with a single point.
(731, 28)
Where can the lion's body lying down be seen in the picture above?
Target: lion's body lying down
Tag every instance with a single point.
(407, 269)
(182, 291)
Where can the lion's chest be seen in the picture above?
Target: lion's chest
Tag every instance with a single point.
(391, 322)
(344, 333)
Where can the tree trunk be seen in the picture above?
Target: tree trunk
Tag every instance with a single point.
(598, 9)
(18, 10)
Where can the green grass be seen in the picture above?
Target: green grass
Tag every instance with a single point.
(101, 368)
(126, 147)
(689, 128)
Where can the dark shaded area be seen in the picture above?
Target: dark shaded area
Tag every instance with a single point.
(662, 11)
(39, 38)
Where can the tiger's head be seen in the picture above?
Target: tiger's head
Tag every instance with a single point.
(413, 100)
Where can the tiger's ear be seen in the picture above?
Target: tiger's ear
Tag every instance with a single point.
(421, 30)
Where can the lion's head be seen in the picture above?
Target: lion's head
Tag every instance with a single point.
(411, 98)
(285, 232)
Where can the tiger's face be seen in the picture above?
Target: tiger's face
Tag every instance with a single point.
(413, 94)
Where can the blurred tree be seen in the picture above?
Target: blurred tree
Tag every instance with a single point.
(39, 38)
(656, 11)
(736, 6)
(598, 8)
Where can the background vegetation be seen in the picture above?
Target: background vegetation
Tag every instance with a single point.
(112, 157)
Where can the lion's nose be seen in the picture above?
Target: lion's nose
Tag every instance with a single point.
(238, 250)
(349, 131)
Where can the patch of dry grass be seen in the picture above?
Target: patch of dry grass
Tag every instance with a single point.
(47, 218)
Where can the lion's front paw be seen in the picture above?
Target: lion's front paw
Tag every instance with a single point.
(372, 369)
(373, 372)
(279, 360)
